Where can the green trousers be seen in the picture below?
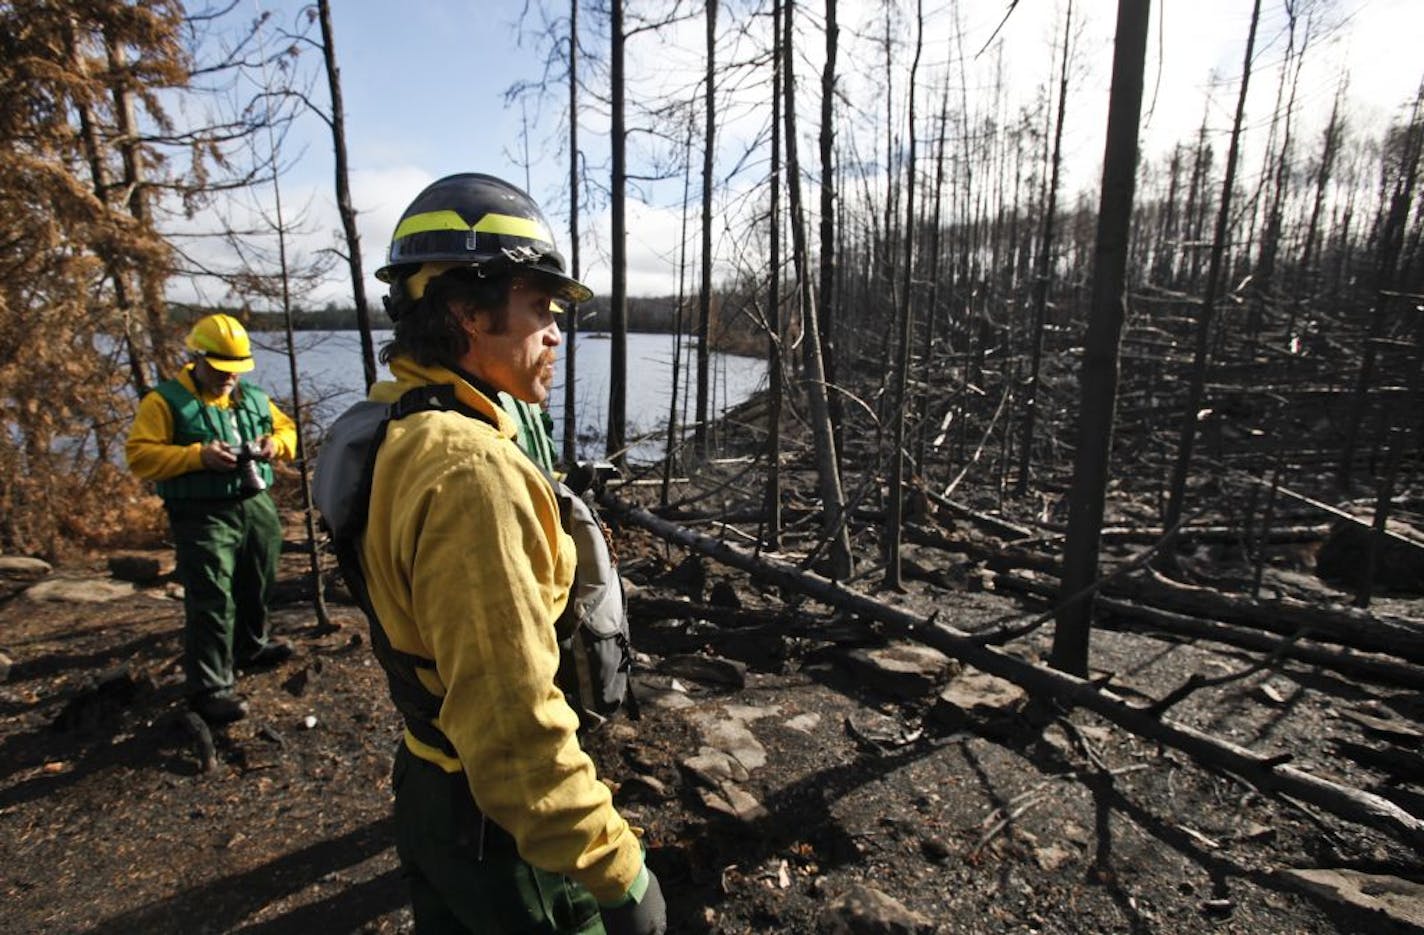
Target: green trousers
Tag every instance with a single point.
(464, 872)
(227, 560)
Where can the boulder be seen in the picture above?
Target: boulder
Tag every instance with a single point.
(731, 736)
(734, 802)
(1395, 898)
(978, 699)
(865, 910)
(1399, 562)
(79, 590)
(906, 671)
(23, 567)
(712, 767)
(712, 670)
(141, 567)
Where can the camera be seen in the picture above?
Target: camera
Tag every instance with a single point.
(248, 455)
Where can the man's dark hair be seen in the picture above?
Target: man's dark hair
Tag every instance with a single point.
(428, 330)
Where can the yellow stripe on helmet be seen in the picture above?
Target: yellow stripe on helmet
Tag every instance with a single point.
(503, 224)
(431, 221)
(510, 225)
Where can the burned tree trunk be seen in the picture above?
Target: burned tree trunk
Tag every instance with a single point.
(827, 463)
(1100, 365)
(337, 122)
(1177, 492)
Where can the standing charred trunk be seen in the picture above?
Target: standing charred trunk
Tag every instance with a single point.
(932, 301)
(704, 293)
(1044, 270)
(829, 296)
(1391, 242)
(895, 521)
(1100, 358)
(814, 379)
(773, 297)
(1196, 388)
(337, 123)
(1403, 428)
(618, 288)
(571, 320)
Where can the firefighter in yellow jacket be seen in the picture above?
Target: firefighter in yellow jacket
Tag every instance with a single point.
(502, 824)
(206, 438)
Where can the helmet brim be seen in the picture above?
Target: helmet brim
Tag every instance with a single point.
(564, 288)
(240, 365)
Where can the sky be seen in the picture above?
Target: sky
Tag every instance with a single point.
(425, 86)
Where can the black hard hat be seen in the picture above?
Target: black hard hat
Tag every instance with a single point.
(485, 223)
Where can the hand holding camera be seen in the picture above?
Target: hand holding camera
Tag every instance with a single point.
(249, 454)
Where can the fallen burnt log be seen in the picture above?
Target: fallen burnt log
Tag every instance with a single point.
(1267, 773)
(1358, 629)
(1341, 626)
(1192, 535)
(1127, 615)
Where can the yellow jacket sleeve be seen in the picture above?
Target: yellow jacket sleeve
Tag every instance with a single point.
(477, 541)
(150, 450)
(284, 433)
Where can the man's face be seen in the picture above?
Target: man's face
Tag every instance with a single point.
(212, 381)
(519, 359)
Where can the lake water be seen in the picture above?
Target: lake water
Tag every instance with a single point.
(329, 368)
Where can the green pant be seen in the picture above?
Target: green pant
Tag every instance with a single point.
(227, 560)
(465, 874)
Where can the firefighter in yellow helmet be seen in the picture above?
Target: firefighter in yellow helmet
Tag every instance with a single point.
(465, 569)
(207, 439)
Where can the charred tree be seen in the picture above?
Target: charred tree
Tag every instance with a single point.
(895, 520)
(704, 292)
(1099, 378)
(1196, 386)
(336, 122)
(618, 288)
(833, 518)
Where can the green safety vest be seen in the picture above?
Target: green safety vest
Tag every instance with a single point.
(248, 418)
(533, 423)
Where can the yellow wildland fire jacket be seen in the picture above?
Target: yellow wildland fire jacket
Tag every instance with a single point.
(467, 564)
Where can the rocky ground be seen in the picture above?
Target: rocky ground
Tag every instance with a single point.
(795, 772)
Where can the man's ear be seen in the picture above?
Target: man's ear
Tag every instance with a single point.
(475, 322)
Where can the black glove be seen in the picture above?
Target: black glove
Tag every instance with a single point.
(646, 916)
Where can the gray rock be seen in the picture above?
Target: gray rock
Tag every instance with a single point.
(1052, 857)
(20, 566)
(977, 696)
(734, 802)
(733, 737)
(864, 910)
(707, 669)
(643, 787)
(713, 767)
(1398, 899)
(805, 723)
(902, 670)
(79, 590)
(141, 567)
(1398, 560)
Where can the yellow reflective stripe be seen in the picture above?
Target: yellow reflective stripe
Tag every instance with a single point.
(512, 226)
(431, 221)
(503, 224)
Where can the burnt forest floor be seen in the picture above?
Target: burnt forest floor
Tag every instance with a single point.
(1039, 820)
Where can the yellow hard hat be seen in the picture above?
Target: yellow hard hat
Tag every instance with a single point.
(222, 342)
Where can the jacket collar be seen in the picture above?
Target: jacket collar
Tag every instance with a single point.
(408, 375)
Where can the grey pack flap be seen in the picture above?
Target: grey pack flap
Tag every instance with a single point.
(336, 482)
